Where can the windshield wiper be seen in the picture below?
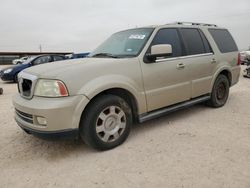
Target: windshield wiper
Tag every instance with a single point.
(104, 55)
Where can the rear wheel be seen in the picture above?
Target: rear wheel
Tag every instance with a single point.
(220, 92)
(106, 122)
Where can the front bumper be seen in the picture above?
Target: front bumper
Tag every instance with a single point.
(62, 114)
(70, 133)
(6, 77)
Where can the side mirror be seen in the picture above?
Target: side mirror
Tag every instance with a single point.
(159, 50)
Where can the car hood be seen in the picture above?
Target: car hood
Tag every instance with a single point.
(9, 67)
(77, 72)
(14, 67)
(61, 68)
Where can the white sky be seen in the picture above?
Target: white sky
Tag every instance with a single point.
(81, 25)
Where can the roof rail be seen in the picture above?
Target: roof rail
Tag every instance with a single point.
(192, 23)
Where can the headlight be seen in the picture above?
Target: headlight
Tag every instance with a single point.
(7, 71)
(50, 88)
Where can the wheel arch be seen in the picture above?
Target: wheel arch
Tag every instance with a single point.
(120, 92)
(224, 71)
(228, 74)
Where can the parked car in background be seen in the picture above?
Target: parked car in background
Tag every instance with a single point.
(10, 73)
(246, 72)
(243, 57)
(247, 57)
(20, 61)
(76, 56)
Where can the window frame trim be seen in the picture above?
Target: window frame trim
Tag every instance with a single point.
(184, 57)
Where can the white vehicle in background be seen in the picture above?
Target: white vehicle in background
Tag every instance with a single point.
(247, 54)
(245, 57)
(19, 61)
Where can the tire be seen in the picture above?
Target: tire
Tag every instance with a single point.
(1, 91)
(220, 92)
(106, 122)
(15, 78)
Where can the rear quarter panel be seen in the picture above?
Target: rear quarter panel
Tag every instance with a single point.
(224, 61)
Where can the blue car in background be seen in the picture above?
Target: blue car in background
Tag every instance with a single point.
(10, 73)
(76, 56)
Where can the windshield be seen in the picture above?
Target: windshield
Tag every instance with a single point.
(29, 59)
(123, 44)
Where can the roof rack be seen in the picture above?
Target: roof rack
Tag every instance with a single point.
(192, 23)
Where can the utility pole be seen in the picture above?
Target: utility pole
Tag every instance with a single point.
(40, 48)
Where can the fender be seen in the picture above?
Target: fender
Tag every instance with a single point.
(102, 83)
(218, 71)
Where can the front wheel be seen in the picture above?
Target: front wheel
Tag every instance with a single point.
(106, 122)
(15, 78)
(220, 92)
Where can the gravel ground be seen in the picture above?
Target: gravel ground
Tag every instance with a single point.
(195, 147)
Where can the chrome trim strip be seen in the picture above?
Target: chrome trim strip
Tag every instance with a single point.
(183, 57)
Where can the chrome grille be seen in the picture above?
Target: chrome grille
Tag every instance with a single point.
(26, 83)
(26, 87)
(24, 116)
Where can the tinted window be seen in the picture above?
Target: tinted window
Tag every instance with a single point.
(58, 58)
(224, 40)
(169, 36)
(207, 46)
(41, 60)
(193, 41)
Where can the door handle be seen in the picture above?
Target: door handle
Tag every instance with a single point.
(213, 61)
(180, 66)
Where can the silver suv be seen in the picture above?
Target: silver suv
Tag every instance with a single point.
(135, 75)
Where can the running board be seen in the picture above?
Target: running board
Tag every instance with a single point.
(172, 108)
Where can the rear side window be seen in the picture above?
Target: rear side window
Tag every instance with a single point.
(193, 41)
(169, 36)
(58, 58)
(42, 59)
(224, 40)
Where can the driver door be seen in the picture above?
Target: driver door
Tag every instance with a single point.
(166, 80)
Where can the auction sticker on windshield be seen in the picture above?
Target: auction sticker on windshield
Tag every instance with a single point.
(137, 36)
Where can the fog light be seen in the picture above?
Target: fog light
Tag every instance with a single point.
(41, 120)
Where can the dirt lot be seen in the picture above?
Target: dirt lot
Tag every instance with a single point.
(195, 147)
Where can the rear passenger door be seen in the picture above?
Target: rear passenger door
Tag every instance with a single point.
(166, 81)
(199, 60)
